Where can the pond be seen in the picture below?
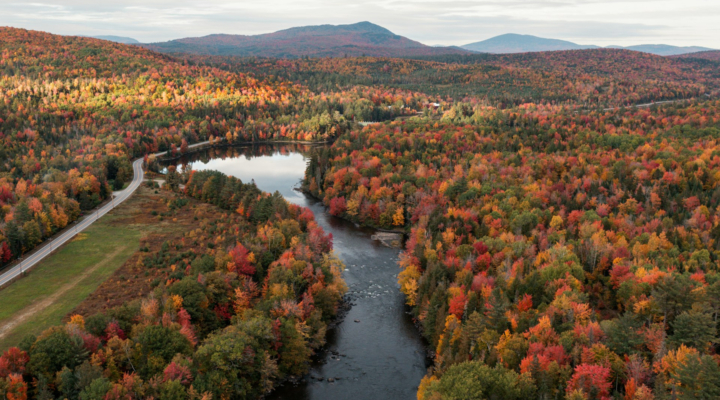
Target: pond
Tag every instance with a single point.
(375, 352)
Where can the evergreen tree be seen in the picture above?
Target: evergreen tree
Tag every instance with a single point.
(15, 237)
(698, 379)
(694, 328)
(33, 236)
(22, 212)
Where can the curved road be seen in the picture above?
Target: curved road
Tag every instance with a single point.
(49, 246)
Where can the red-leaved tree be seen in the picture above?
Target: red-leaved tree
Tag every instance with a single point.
(593, 380)
(240, 256)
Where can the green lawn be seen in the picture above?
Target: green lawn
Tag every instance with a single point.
(102, 245)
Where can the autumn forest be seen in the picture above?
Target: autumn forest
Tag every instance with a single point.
(560, 216)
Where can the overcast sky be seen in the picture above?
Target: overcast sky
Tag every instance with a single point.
(434, 22)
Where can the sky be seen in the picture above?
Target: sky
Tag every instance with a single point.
(433, 22)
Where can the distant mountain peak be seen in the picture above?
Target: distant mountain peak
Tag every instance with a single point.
(516, 43)
(367, 27)
(362, 38)
(663, 49)
(517, 35)
(362, 28)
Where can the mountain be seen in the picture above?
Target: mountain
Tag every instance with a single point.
(663, 49)
(363, 38)
(712, 55)
(514, 43)
(117, 39)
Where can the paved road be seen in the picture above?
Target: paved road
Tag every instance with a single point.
(707, 95)
(646, 104)
(45, 249)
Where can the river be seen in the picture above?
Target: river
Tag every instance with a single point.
(375, 352)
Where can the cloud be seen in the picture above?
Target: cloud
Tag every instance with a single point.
(624, 22)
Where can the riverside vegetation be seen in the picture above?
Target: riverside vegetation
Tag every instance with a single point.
(556, 249)
(550, 254)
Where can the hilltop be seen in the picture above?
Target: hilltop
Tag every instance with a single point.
(56, 56)
(712, 55)
(359, 39)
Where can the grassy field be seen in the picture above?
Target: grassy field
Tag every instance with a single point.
(75, 271)
(99, 268)
(64, 279)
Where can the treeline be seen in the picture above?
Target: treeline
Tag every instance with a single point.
(551, 254)
(246, 302)
(589, 78)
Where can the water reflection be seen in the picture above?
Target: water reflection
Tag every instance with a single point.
(381, 356)
(272, 168)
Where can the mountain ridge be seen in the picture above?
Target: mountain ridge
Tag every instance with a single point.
(366, 38)
(363, 38)
(510, 43)
(663, 49)
(514, 43)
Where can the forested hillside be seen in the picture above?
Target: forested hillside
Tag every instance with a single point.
(712, 55)
(561, 243)
(584, 78)
(551, 254)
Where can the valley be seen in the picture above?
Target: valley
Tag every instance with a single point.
(509, 226)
